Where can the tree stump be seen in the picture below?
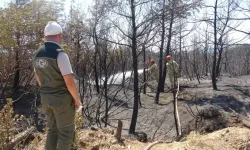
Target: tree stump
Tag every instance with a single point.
(118, 134)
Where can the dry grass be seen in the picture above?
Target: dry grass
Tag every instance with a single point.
(233, 138)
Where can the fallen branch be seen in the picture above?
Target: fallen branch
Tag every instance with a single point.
(176, 114)
(19, 137)
(152, 144)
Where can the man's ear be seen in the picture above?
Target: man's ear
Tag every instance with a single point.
(60, 37)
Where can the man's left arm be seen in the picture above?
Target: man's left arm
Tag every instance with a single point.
(67, 73)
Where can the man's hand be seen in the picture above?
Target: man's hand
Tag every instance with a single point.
(78, 103)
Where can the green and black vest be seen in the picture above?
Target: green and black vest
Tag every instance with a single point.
(53, 89)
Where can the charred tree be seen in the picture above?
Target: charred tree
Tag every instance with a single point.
(215, 47)
(135, 68)
(167, 52)
(161, 55)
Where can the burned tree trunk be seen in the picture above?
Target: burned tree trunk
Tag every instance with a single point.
(215, 48)
(95, 39)
(105, 67)
(168, 46)
(144, 69)
(161, 55)
(218, 63)
(134, 54)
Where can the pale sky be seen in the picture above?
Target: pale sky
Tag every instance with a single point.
(83, 4)
(3, 2)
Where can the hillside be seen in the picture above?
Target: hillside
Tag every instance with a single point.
(210, 119)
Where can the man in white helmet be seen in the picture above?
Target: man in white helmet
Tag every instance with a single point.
(59, 96)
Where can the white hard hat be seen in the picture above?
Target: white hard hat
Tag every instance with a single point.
(52, 28)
